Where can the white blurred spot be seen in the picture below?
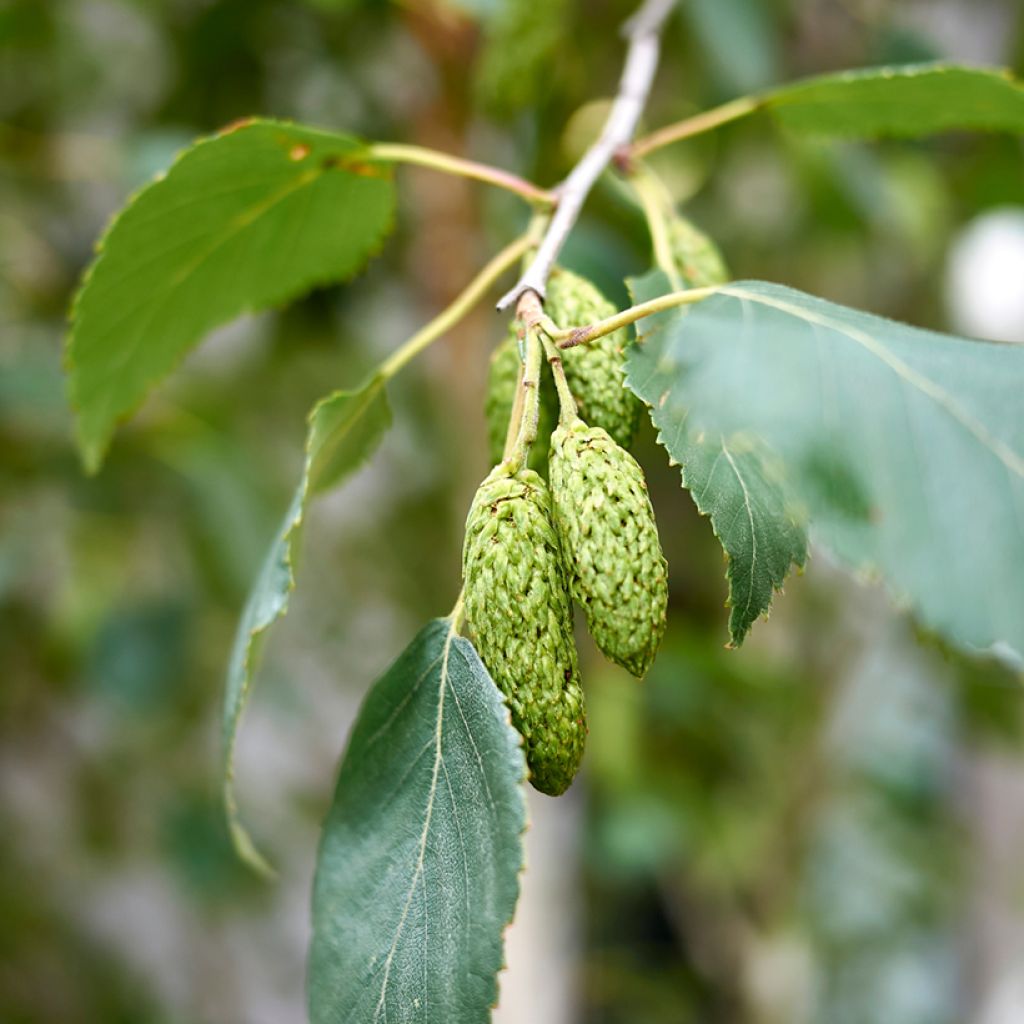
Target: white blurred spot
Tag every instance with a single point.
(985, 276)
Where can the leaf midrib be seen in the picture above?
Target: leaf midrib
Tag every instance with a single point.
(428, 817)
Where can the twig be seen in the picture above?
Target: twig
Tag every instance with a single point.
(641, 62)
(395, 152)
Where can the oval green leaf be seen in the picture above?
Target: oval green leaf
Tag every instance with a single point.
(906, 447)
(418, 873)
(909, 101)
(733, 481)
(244, 220)
(344, 430)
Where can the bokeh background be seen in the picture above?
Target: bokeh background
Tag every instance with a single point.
(825, 826)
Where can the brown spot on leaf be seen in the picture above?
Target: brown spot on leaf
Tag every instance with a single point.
(298, 152)
(363, 168)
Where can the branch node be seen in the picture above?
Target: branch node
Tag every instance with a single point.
(642, 31)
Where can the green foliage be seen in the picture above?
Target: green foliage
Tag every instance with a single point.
(910, 101)
(733, 481)
(417, 876)
(719, 792)
(922, 483)
(344, 430)
(244, 220)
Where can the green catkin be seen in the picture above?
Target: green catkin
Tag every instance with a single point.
(502, 378)
(696, 257)
(610, 540)
(519, 612)
(596, 371)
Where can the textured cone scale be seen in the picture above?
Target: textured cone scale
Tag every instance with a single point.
(610, 539)
(502, 378)
(518, 608)
(595, 371)
(697, 259)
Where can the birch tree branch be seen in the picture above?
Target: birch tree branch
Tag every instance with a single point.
(642, 31)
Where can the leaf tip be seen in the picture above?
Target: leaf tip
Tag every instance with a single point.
(246, 850)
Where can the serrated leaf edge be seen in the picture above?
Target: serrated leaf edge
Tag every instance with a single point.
(94, 454)
(285, 540)
(736, 637)
(773, 99)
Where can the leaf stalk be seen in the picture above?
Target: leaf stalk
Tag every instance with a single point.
(395, 152)
(573, 336)
(469, 297)
(705, 121)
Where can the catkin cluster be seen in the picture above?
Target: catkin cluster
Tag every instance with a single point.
(518, 606)
(696, 257)
(610, 543)
(596, 372)
(593, 538)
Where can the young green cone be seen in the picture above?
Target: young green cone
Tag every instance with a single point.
(697, 259)
(610, 540)
(519, 611)
(596, 371)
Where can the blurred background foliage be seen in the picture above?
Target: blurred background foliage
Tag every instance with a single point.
(826, 826)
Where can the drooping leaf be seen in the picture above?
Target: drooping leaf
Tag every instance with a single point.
(911, 101)
(733, 480)
(344, 429)
(417, 876)
(904, 446)
(244, 220)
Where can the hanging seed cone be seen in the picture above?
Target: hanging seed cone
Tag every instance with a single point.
(697, 259)
(518, 609)
(596, 371)
(613, 556)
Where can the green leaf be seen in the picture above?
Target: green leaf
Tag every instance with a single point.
(417, 876)
(903, 445)
(733, 481)
(911, 100)
(244, 220)
(344, 430)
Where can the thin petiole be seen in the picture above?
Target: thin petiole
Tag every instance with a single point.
(456, 615)
(567, 411)
(447, 318)
(653, 198)
(394, 152)
(696, 125)
(571, 337)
